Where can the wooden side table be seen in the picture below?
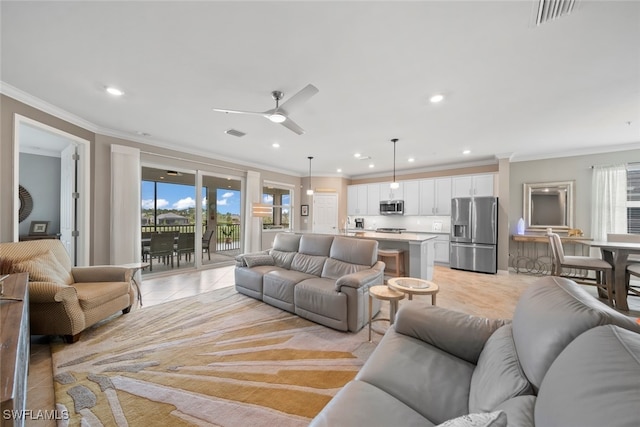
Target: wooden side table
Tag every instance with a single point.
(383, 293)
(412, 286)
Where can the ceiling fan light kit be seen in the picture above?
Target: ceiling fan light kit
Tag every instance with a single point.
(280, 114)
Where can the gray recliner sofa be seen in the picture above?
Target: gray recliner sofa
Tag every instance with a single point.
(322, 278)
(565, 360)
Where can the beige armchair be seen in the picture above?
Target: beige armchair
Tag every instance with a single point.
(65, 300)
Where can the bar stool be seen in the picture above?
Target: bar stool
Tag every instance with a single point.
(384, 293)
(398, 256)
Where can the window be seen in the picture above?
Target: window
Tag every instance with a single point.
(169, 207)
(280, 198)
(633, 198)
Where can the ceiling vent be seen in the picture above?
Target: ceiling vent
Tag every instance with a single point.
(235, 132)
(364, 158)
(548, 10)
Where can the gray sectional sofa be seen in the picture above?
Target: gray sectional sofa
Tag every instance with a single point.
(565, 360)
(319, 277)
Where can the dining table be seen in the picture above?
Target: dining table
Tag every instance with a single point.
(617, 254)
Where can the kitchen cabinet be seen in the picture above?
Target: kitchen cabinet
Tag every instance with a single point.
(441, 249)
(386, 193)
(411, 194)
(435, 196)
(373, 199)
(357, 199)
(472, 185)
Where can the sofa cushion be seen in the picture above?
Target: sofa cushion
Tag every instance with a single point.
(498, 375)
(318, 295)
(309, 264)
(354, 251)
(427, 379)
(335, 269)
(362, 404)
(256, 260)
(478, 419)
(278, 287)
(249, 281)
(549, 315)
(315, 245)
(44, 268)
(96, 294)
(286, 242)
(282, 259)
(595, 381)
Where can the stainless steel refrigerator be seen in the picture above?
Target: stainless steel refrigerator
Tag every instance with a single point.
(474, 234)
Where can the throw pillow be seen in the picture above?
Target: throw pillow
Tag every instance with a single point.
(258, 259)
(480, 419)
(44, 268)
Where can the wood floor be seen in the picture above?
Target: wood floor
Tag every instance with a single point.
(479, 294)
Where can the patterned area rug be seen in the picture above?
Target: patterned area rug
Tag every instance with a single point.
(217, 359)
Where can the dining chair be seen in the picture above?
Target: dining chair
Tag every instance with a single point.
(146, 243)
(186, 246)
(206, 242)
(161, 246)
(597, 265)
(633, 262)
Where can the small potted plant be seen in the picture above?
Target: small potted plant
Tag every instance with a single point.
(227, 232)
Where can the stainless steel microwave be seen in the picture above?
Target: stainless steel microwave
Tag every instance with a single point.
(392, 207)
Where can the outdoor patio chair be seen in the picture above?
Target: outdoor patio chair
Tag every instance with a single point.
(161, 246)
(206, 241)
(186, 246)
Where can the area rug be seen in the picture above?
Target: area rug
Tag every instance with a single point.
(216, 359)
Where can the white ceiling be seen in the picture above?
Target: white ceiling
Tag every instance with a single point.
(513, 89)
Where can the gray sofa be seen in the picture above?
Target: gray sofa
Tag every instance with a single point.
(319, 277)
(565, 360)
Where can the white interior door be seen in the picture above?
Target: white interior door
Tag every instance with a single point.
(68, 200)
(325, 213)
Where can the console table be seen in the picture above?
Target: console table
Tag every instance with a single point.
(533, 254)
(14, 347)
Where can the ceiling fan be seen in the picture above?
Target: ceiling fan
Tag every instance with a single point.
(280, 114)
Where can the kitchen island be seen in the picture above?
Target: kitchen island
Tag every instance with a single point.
(418, 247)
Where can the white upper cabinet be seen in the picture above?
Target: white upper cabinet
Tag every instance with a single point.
(357, 198)
(411, 195)
(435, 196)
(472, 185)
(386, 193)
(373, 199)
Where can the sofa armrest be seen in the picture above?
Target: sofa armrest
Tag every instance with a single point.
(369, 277)
(456, 333)
(103, 273)
(43, 292)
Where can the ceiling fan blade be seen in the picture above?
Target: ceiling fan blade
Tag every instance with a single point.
(291, 125)
(299, 98)
(254, 113)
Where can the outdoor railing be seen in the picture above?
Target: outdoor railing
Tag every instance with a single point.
(226, 237)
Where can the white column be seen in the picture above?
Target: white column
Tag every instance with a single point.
(253, 229)
(125, 205)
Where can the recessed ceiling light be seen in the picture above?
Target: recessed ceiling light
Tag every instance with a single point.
(356, 155)
(465, 152)
(411, 160)
(436, 98)
(275, 145)
(338, 170)
(114, 91)
(371, 165)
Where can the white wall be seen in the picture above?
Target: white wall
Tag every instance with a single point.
(40, 175)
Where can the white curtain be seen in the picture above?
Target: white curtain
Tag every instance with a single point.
(125, 205)
(253, 229)
(609, 201)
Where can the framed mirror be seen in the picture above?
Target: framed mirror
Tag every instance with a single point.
(549, 205)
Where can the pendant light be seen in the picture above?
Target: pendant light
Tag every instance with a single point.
(310, 189)
(394, 185)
